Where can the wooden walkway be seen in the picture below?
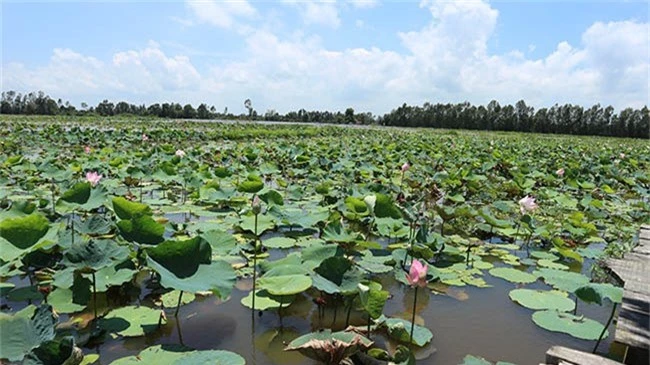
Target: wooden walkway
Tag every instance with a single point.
(633, 326)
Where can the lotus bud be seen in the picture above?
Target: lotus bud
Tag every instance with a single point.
(256, 205)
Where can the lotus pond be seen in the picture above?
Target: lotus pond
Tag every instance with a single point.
(150, 242)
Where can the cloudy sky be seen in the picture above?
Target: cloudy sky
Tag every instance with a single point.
(371, 55)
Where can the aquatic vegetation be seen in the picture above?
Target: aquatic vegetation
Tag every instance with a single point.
(315, 231)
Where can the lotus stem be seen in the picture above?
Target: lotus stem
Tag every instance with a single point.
(94, 296)
(609, 321)
(336, 310)
(415, 300)
(347, 317)
(575, 308)
(178, 305)
(369, 319)
(255, 264)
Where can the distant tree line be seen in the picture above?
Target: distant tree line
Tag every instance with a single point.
(558, 119)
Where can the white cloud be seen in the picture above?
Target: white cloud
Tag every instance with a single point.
(364, 4)
(325, 13)
(223, 14)
(444, 61)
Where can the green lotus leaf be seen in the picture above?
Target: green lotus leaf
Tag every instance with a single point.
(170, 299)
(279, 242)
(333, 268)
(373, 298)
(250, 186)
(25, 330)
(265, 301)
(576, 326)
(334, 232)
(329, 347)
(79, 193)
(222, 243)
(142, 229)
(57, 352)
(542, 300)
(400, 329)
(63, 301)
(513, 275)
(264, 223)
(284, 284)
(94, 254)
(131, 321)
(313, 255)
(25, 231)
(562, 280)
(125, 209)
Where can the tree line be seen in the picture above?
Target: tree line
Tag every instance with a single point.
(558, 119)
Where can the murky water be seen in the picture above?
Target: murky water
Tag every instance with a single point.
(478, 321)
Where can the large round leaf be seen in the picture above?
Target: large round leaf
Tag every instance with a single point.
(540, 300)
(512, 275)
(285, 284)
(94, 254)
(562, 280)
(576, 326)
(180, 355)
(25, 330)
(131, 321)
(182, 258)
(25, 231)
(125, 209)
(143, 229)
(78, 193)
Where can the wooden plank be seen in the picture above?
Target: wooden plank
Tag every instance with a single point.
(642, 287)
(630, 270)
(557, 355)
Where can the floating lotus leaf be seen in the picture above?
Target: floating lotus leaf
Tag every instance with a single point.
(576, 326)
(513, 275)
(562, 280)
(63, 301)
(114, 275)
(265, 301)
(25, 330)
(180, 355)
(542, 300)
(131, 321)
(552, 264)
(170, 299)
(279, 242)
(329, 347)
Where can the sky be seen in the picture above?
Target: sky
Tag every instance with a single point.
(371, 55)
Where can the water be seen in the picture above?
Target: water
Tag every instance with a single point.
(478, 321)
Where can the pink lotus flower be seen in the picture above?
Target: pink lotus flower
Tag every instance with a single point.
(405, 167)
(87, 149)
(93, 178)
(417, 275)
(180, 153)
(527, 204)
(560, 172)
(145, 137)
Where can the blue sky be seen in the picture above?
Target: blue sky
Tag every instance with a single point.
(370, 55)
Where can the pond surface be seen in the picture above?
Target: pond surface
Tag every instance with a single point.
(468, 320)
